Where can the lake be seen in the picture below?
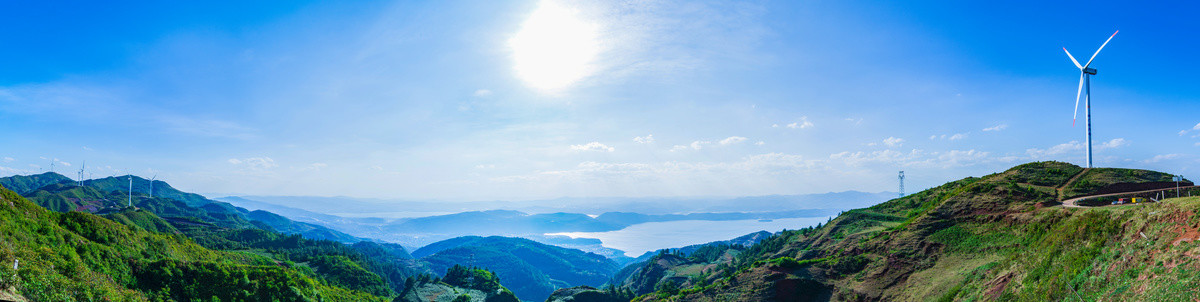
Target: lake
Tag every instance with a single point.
(640, 238)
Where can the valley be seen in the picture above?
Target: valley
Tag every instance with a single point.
(964, 239)
(598, 151)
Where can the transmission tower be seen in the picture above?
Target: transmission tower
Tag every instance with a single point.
(901, 183)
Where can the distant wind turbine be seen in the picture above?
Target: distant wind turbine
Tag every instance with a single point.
(131, 190)
(152, 185)
(1085, 83)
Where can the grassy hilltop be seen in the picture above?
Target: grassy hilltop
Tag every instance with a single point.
(1000, 237)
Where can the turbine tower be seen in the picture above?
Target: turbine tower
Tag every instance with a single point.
(81, 169)
(901, 183)
(152, 185)
(1085, 83)
(131, 190)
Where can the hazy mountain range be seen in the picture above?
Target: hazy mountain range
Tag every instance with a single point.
(534, 219)
(385, 208)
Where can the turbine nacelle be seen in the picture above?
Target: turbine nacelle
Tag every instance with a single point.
(1089, 70)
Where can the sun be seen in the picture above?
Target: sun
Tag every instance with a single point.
(555, 47)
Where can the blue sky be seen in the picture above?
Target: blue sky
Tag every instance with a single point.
(520, 100)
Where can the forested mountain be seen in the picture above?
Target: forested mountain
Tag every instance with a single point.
(112, 193)
(377, 270)
(532, 270)
(77, 256)
(999, 237)
(143, 186)
(459, 284)
(743, 241)
(26, 183)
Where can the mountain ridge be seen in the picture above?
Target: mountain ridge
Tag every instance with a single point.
(996, 237)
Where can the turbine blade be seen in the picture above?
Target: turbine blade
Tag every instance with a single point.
(1072, 58)
(1077, 94)
(1098, 50)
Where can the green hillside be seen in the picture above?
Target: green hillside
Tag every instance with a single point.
(58, 193)
(220, 226)
(142, 186)
(25, 184)
(143, 219)
(532, 270)
(460, 284)
(77, 256)
(998, 237)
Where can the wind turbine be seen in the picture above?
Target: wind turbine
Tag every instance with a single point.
(131, 190)
(1085, 80)
(81, 168)
(152, 185)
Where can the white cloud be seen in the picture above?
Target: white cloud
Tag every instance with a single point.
(678, 148)
(953, 137)
(7, 170)
(956, 158)
(86, 148)
(996, 127)
(915, 157)
(483, 93)
(875, 157)
(255, 163)
(593, 146)
(206, 127)
(732, 140)
(760, 143)
(1194, 128)
(1114, 143)
(774, 125)
(315, 166)
(1162, 157)
(1073, 146)
(8, 159)
(760, 164)
(893, 141)
(700, 144)
(488, 166)
(649, 138)
(1056, 150)
(802, 124)
(856, 121)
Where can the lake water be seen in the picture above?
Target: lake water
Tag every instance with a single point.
(640, 238)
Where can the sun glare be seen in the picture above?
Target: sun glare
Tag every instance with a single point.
(555, 47)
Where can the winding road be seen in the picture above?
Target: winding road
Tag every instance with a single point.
(1074, 202)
